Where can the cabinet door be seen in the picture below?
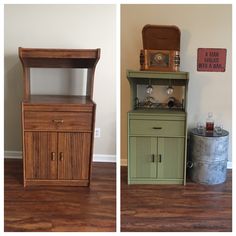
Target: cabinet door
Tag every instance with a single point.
(142, 157)
(170, 158)
(40, 155)
(74, 155)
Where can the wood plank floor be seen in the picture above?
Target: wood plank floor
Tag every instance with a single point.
(176, 208)
(60, 209)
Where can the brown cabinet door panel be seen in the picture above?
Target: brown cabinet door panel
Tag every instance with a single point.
(74, 155)
(41, 155)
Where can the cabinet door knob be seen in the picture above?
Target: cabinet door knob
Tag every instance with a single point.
(53, 156)
(61, 156)
(160, 158)
(156, 127)
(153, 158)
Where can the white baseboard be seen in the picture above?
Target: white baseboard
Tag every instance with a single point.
(104, 158)
(96, 157)
(13, 154)
(124, 162)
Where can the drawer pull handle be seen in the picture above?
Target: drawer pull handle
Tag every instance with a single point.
(61, 156)
(160, 158)
(53, 156)
(156, 127)
(58, 121)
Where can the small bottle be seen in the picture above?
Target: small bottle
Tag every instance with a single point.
(210, 123)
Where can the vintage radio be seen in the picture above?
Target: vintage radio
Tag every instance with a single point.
(161, 48)
(159, 60)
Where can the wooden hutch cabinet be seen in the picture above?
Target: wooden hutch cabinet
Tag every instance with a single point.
(58, 129)
(157, 136)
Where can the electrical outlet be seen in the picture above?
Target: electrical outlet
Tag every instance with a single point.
(97, 133)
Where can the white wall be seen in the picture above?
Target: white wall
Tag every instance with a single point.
(60, 26)
(202, 26)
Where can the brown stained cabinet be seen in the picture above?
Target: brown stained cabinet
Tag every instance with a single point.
(58, 130)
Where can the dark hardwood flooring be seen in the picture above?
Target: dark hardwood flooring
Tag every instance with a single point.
(176, 208)
(60, 209)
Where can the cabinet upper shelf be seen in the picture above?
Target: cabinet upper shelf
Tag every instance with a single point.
(157, 75)
(59, 58)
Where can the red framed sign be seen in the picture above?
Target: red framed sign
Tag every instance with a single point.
(211, 59)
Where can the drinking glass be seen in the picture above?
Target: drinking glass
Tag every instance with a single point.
(200, 127)
(219, 128)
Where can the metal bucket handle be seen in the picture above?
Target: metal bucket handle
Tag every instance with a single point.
(189, 164)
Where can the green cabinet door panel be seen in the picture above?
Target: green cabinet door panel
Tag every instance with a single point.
(142, 161)
(170, 158)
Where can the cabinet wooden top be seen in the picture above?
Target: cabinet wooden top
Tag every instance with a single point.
(58, 103)
(59, 58)
(59, 99)
(155, 112)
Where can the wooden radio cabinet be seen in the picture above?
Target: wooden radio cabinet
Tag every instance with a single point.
(57, 129)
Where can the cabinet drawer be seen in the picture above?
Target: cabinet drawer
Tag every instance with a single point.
(157, 128)
(58, 121)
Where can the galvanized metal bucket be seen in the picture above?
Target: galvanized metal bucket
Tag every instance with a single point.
(208, 158)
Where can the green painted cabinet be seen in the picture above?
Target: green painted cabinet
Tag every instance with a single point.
(156, 147)
(156, 137)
